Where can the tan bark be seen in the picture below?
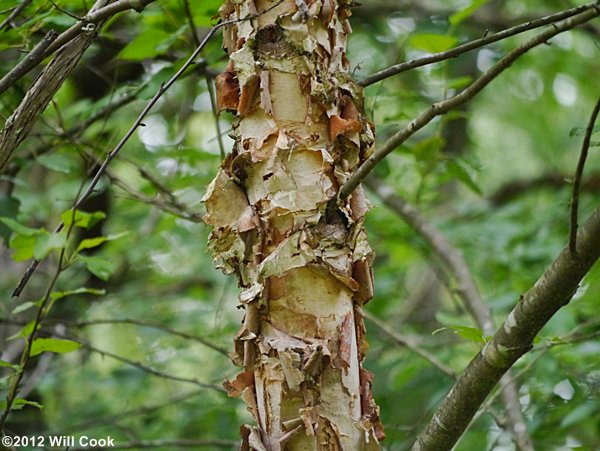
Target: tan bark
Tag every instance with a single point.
(303, 263)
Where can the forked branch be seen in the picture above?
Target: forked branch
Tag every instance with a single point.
(440, 108)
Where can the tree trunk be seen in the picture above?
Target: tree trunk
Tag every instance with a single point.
(302, 259)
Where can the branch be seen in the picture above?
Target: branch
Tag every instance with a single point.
(513, 339)
(467, 291)
(143, 367)
(450, 256)
(88, 25)
(14, 14)
(515, 188)
(162, 89)
(32, 59)
(409, 343)
(111, 419)
(145, 323)
(477, 43)
(36, 100)
(464, 96)
(578, 176)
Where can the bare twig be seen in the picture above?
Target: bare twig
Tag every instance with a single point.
(409, 343)
(467, 291)
(208, 78)
(477, 43)
(111, 155)
(513, 339)
(464, 96)
(18, 125)
(14, 14)
(95, 17)
(64, 11)
(192, 25)
(89, 25)
(147, 323)
(448, 254)
(578, 176)
(124, 414)
(31, 60)
(143, 367)
(213, 105)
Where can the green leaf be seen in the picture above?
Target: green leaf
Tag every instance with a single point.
(579, 413)
(19, 228)
(468, 333)
(9, 206)
(24, 332)
(147, 44)
(82, 219)
(90, 243)
(23, 247)
(5, 364)
(580, 131)
(19, 403)
(22, 307)
(58, 161)
(433, 43)
(47, 243)
(59, 345)
(56, 295)
(458, 17)
(98, 266)
(460, 173)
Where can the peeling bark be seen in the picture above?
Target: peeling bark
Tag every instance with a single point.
(304, 268)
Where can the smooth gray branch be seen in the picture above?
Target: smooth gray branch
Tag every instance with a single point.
(477, 43)
(87, 25)
(459, 99)
(512, 340)
(466, 290)
(587, 140)
(36, 100)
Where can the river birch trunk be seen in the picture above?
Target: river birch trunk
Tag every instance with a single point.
(301, 257)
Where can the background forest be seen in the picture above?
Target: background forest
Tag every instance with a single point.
(151, 323)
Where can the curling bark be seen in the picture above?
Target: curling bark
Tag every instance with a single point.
(302, 259)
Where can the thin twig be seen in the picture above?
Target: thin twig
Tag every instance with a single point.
(459, 99)
(147, 323)
(477, 43)
(13, 15)
(86, 25)
(162, 89)
(143, 367)
(31, 60)
(192, 25)
(578, 176)
(208, 78)
(64, 11)
(553, 290)
(409, 343)
(94, 422)
(467, 291)
(215, 112)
